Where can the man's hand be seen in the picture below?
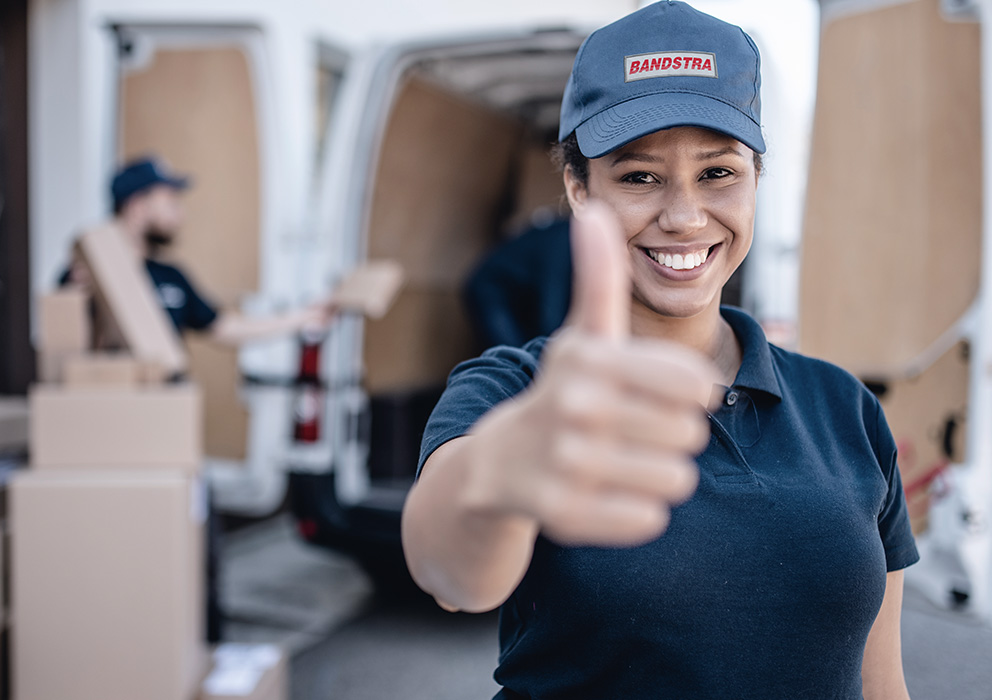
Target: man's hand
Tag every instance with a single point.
(319, 315)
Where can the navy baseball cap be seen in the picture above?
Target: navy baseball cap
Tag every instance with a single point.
(665, 65)
(138, 175)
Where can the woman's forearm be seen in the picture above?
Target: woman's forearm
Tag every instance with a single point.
(466, 554)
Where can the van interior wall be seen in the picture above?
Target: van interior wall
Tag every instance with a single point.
(893, 207)
(439, 199)
(893, 220)
(195, 107)
(540, 191)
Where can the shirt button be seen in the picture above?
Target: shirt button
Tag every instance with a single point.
(731, 398)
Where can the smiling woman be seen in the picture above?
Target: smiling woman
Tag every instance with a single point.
(669, 506)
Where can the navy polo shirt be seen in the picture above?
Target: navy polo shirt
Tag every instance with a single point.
(186, 308)
(768, 579)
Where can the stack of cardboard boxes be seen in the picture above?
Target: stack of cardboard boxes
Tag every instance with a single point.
(107, 523)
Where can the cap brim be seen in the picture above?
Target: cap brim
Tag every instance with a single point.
(630, 120)
(180, 183)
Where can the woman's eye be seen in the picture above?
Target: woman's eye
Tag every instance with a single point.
(639, 178)
(716, 173)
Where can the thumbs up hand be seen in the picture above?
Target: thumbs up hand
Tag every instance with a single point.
(601, 445)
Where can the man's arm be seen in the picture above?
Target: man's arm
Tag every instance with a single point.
(881, 670)
(233, 329)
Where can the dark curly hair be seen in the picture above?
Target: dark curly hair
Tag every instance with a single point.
(566, 154)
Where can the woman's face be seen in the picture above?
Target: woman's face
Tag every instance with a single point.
(685, 200)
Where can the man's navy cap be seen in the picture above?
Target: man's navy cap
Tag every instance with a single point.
(138, 175)
(665, 65)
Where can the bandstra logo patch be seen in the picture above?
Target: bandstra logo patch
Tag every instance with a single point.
(695, 64)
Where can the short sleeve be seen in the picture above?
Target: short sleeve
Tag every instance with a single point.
(893, 518)
(476, 386)
(199, 314)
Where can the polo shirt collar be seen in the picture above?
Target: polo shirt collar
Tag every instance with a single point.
(757, 370)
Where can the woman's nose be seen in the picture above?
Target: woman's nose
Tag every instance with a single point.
(682, 211)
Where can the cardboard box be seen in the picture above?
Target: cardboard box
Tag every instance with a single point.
(107, 578)
(247, 672)
(124, 288)
(117, 427)
(48, 367)
(64, 322)
(214, 368)
(370, 288)
(65, 330)
(102, 370)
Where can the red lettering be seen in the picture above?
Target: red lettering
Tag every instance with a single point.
(707, 64)
(655, 63)
(697, 63)
(666, 63)
(635, 67)
(677, 62)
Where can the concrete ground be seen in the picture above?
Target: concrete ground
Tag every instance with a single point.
(946, 655)
(348, 645)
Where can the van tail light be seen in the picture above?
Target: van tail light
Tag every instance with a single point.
(307, 529)
(309, 390)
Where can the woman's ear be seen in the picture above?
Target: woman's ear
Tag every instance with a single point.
(575, 190)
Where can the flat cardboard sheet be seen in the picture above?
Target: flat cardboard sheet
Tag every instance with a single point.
(64, 322)
(124, 288)
(107, 576)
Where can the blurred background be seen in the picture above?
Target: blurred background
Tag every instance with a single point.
(318, 135)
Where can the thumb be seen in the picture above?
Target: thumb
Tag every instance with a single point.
(601, 278)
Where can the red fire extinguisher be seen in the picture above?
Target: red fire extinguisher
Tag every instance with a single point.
(309, 389)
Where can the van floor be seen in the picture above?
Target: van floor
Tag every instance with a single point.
(346, 643)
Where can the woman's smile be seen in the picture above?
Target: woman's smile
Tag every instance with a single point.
(680, 263)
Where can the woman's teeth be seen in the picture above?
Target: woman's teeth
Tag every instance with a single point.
(680, 262)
